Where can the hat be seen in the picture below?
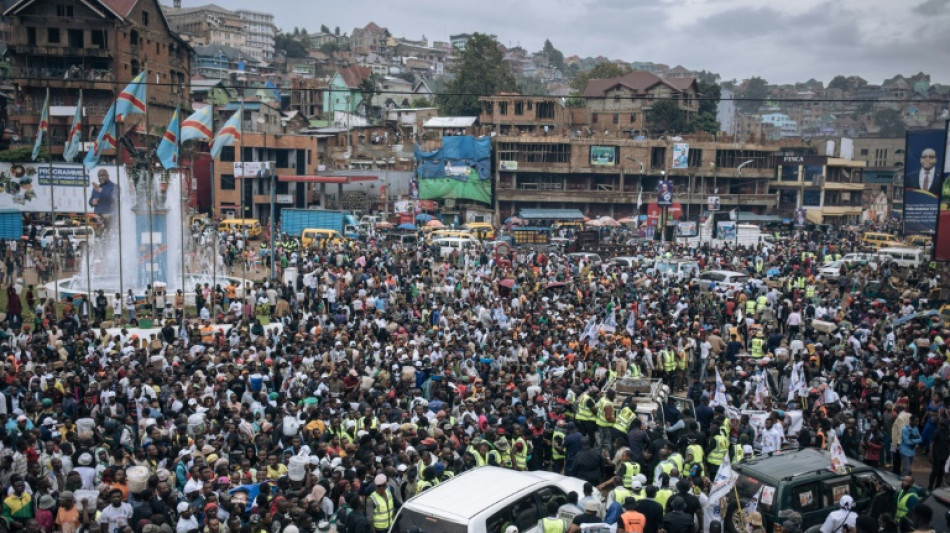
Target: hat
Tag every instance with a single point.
(501, 444)
(380, 480)
(630, 503)
(754, 518)
(637, 485)
(591, 505)
(846, 502)
(47, 502)
(183, 452)
(183, 506)
(85, 459)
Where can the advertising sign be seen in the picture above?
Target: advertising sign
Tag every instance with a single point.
(664, 192)
(713, 203)
(673, 212)
(800, 217)
(727, 230)
(680, 155)
(508, 165)
(603, 156)
(251, 169)
(942, 238)
(686, 229)
(923, 180)
(27, 188)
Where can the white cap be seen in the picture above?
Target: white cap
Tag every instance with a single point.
(182, 507)
(380, 480)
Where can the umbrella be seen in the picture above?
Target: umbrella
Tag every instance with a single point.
(434, 223)
(514, 221)
(627, 220)
(408, 226)
(595, 223)
(507, 283)
(384, 225)
(555, 284)
(607, 221)
(424, 217)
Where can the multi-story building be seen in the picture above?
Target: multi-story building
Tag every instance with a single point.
(514, 114)
(216, 61)
(370, 39)
(459, 41)
(343, 93)
(619, 104)
(607, 175)
(263, 139)
(250, 31)
(830, 189)
(96, 46)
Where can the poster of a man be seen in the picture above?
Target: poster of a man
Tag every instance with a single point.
(103, 194)
(664, 192)
(927, 178)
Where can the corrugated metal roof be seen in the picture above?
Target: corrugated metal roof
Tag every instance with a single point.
(449, 122)
(551, 214)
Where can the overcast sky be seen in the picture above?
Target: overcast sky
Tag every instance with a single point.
(780, 40)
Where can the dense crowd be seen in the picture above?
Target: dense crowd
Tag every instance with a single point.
(379, 371)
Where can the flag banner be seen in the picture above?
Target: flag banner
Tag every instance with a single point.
(720, 397)
(609, 325)
(132, 99)
(197, 127)
(839, 461)
(42, 127)
(105, 140)
(74, 139)
(724, 481)
(590, 329)
(631, 324)
(228, 134)
(167, 151)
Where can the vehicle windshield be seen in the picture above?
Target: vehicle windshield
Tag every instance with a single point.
(408, 520)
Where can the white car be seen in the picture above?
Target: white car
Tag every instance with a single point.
(626, 261)
(486, 499)
(591, 258)
(832, 271)
(720, 280)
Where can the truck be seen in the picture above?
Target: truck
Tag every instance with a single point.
(648, 397)
(745, 235)
(294, 221)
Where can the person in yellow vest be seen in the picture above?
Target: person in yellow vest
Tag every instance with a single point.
(624, 418)
(627, 468)
(664, 492)
(669, 364)
(552, 523)
(810, 292)
(380, 506)
(694, 457)
(907, 498)
(717, 451)
(620, 492)
(605, 420)
(584, 412)
(557, 447)
(682, 359)
(480, 453)
(750, 307)
(758, 345)
(501, 455)
(428, 479)
(521, 449)
(761, 303)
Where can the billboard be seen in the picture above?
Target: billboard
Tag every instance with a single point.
(800, 217)
(942, 238)
(664, 192)
(603, 156)
(30, 188)
(713, 203)
(680, 155)
(686, 229)
(251, 169)
(922, 180)
(727, 230)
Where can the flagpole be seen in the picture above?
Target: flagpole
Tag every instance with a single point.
(148, 198)
(214, 226)
(739, 508)
(244, 237)
(52, 202)
(118, 189)
(85, 203)
(181, 201)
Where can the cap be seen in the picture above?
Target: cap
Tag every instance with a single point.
(846, 502)
(636, 485)
(591, 505)
(380, 480)
(182, 507)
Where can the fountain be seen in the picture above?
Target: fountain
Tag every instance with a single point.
(148, 237)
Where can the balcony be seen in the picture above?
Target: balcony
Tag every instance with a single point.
(60, 51)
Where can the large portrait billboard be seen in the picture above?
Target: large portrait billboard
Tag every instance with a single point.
(63, 188)
(942, 238)
(923, 177)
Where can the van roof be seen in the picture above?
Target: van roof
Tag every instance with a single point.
(468, 494)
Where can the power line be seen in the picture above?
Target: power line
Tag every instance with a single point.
(43, 82)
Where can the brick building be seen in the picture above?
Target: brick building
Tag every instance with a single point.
(619, 104)
(97, 46)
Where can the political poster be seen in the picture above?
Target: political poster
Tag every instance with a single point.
(64, 188)
(680, 155)
(923, 180)
(727, 230)
(664, 192)
(942, 238)
(603, 156)
(686, 229)
(800, 217)
(252, 169)
(713, 203)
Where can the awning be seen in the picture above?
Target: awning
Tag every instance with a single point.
(753, 217)
(449, 122)
(327, 179)
(551, 214)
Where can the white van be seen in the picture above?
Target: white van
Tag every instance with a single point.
(472, 502)
(726, 280)
(447, 245)
(79, 236)
(906, 257)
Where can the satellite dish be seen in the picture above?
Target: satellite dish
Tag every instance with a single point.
(347, 154)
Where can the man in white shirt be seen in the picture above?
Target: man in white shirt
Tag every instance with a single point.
(842, 520)
(772, 438)
(117, 514)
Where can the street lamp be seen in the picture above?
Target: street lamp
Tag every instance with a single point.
(640, 181)
(739, 196)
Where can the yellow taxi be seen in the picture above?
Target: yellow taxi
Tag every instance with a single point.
(483, 230)
(238, 225)
(320, 237)
(879, 240)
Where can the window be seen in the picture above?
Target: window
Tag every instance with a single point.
(864, 151)
(633, 118)
(502, 108)
(805, 498)
(522, 513)
(593, 118)
(75, 38)
(227, 181)
(64, 11)
(227, 153)
(519, 108)
(658, 157)
(616, 118)
(52, 35)
(145, 18)
(695, 158)
(31, 36)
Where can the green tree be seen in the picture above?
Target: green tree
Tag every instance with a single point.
(324, 28)
(890, 122)
(705, 122)
(709, 95)
(554, 56)
(336, 31)
(839, 82)
(665, 116)
(418, 102)
(293, 45)
(601, 71)
(753, 95)
(481, 70)
(330, 48)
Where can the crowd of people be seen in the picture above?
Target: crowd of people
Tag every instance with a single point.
(380, 371)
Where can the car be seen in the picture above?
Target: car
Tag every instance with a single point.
(728, 280)
(832, 270)
(627, 261)
(561, 243)
(802, 481)
(591, 258)
(487, 498)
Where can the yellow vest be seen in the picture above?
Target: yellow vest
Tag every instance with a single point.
(480, 460)
(382, 510)
(750, 307)
(629, 469)
(902, 498)
(555, 454)
(757, 345)
(669, 360)
(719, 452)
(552, 525)
(521, 458)
(583, 412)
(621, 494)
(623, 419)
(602, 404)
(697, 452)
(662, 496)
(761, 302)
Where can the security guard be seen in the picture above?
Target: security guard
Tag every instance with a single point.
(552, 523)
(521, 450)
(624, 419)
(669, 363)
(758, 345)
(628, 469)
(761, 303)
(718, 452)
(428, 480)
(383, 506)
(557, 447)
(481, 453)
(584, 412)
(907, 498)
(501, 455)
(620, 492)
(605, 419)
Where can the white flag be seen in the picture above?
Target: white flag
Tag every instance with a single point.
(630, 327)
(720, 397)
(590, 329)
(839, 461)
(609, 325)
(724, 481)
(761, 392)
(640, 199)
(734, 214)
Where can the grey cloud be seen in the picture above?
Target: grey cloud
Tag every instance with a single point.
(932, 7)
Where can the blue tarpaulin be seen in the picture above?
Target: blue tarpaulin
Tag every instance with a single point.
(456, 153)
